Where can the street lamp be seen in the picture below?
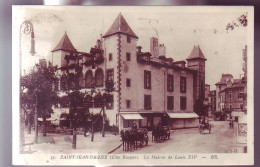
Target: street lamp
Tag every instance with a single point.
(25, 28)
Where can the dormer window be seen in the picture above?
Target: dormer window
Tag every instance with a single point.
(128, 39)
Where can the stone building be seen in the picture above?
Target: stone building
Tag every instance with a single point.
(212, 102)
(151, 88)
(230, 95)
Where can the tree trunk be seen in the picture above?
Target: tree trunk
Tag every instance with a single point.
(44, 125)
(74, 139)
(92, 132)
(36, 123)
(29, 123)
(104, 122)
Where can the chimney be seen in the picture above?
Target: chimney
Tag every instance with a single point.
(98, 44)
(154, 47)
(162, 50)
(139, 49)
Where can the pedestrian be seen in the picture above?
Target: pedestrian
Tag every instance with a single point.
(134, 126)
(230, 124)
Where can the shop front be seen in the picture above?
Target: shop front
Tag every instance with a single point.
(183, 120)
(128, 119)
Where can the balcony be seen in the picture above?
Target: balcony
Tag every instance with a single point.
(97, 59)
(144, 58)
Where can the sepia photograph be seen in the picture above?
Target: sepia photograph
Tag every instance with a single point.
(133, 85)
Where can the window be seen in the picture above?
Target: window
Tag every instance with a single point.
(81, 81)
(230, 95)
(170, 103)
(170, 83)
(128, 82)
(147, 79)
(99, 77)
(241, 106)
(88, 79)
(110, 57)
(230, 107)
(183, 85)
(128, 103)
(128, 57)
(128, 39)
(110, 102)
(183, 103)
(110, 75)
(240, 95)
(147, 102)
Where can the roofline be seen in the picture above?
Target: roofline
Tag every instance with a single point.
(196, 58)
(220, 84)
(65, 50)
(104, 36)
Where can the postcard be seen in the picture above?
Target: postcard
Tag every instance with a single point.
(133, 85)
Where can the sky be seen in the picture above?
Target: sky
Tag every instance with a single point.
(178, 28)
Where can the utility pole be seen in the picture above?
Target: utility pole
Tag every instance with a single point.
(25, 28)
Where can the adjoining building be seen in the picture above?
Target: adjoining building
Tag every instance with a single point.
(151, 88)
(212, 102)
(230, 96)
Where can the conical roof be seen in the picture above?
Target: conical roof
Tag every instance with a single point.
(120, 26)
(196, 53)
(65, 44)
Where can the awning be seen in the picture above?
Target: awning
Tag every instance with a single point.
(47, 119)
(183, 115)
(132, 116)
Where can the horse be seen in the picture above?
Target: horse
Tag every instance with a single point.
(204, 126)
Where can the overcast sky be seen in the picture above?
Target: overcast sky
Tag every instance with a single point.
(179, 29)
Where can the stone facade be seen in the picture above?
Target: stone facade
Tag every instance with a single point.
(148, 85)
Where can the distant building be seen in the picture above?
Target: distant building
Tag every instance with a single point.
(230, 95)
(207, 97)
(212, 99)
(225, 81)
(151, 88)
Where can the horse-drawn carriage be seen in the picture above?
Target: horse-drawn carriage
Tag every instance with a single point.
(204, 126)
(160, 133)
(132, 138)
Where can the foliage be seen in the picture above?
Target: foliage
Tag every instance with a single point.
(39, 83)
(199, 107)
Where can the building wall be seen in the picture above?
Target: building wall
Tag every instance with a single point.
(158, 89)
(199, 65)
(235, 102)
(222, 100)
(111, 46)
(218, 98)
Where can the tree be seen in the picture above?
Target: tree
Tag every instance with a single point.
(200, 108)
(77, 111)
(39, 92)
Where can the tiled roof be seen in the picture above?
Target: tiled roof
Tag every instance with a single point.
(220, 83)
(65, 44)
(120, 26)
(196, 53)
(236, 81)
